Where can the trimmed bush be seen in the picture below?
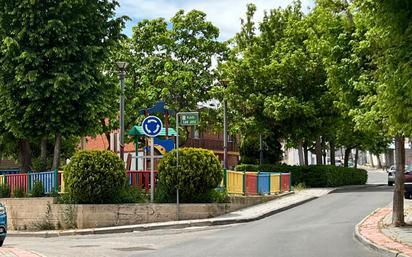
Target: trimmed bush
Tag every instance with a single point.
(199, 173)
(318, 175)
(38, 189)
(95, 177)
(247, 167)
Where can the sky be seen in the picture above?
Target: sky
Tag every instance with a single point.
(225, 14)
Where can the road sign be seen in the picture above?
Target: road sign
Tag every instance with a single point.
(152, 126)
(189, 118)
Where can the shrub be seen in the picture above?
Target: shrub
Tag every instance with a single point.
(198, 173)
(318, 175)
(18, 192)
(95, 177)
(247, 167)
(4, 190)
(38, 189)
(131, 195)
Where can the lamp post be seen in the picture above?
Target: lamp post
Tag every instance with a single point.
(122, 73)
(224, 83)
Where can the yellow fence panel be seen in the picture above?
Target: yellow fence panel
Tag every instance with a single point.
(274, 183)
(2, 179)
(61, 175)
(234, 182)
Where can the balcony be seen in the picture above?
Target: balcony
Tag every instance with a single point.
(211, 144)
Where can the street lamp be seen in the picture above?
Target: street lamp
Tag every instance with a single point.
(224, 83)
(122, 73)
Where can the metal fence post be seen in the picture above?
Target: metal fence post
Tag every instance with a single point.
(56, 180)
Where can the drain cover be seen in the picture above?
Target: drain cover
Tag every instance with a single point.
(133, 249)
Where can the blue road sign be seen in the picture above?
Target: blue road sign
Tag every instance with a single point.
(152, 126)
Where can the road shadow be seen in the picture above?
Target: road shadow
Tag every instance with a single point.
(366, 188)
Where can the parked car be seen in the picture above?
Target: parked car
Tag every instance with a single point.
(338, 163)
(3, 223)
(391, 175)
(408, 182)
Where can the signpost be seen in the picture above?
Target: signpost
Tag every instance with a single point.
(152, 126)
(187, 119)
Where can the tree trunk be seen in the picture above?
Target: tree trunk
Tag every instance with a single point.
(56, 153)
(305, 153)
(43, 150)
(356, 159)
(398, 208)
(324, 151)
(318, 150)
(107, 133)
(372, 164)
(346, 160)
(24, 155)
(332, 152)
(379, 161)
(300, 154)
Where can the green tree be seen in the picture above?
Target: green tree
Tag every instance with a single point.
(389, 26)
(171, 63)
(276, 82)
(52, 80)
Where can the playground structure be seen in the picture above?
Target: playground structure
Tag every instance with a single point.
(162, 144)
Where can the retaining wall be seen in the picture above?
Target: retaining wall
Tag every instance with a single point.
(38, 213)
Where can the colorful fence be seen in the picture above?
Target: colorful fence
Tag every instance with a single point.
(243, 183)
(252, 183)
(48, 180)
(141, 179)
(234, 182)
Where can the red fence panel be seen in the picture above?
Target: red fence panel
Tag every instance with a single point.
(141, 179)
(15, 181)
(251, 183)
(285, 182)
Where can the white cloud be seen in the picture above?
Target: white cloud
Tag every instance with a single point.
(225, 14)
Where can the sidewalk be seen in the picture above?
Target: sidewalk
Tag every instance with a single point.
(289, 200)
(15, 252)
(376, 232)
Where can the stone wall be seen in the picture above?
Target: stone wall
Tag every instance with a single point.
(44, 213)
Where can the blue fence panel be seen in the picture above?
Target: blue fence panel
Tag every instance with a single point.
(6, 172)
(264, 183)
(47, 178)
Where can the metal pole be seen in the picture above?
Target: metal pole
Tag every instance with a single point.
(177, 164)
(177, 139)
(225, 134)
(122, 75)
(152, 170)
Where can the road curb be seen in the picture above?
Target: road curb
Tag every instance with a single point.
(355, 187)
(383, 251)
(161, 225)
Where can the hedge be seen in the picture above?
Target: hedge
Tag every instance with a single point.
(198, 174)
(314, 175)
(95, 177)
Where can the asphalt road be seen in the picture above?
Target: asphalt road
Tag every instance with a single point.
(320, 228)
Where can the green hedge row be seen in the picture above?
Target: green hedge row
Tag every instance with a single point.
(314, 175)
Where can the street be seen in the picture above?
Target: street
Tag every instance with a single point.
(322, 227)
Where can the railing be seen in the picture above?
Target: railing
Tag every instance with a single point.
(26, 181)
(211, 144)
(141, 179)
(235, 182)
(253, 183)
